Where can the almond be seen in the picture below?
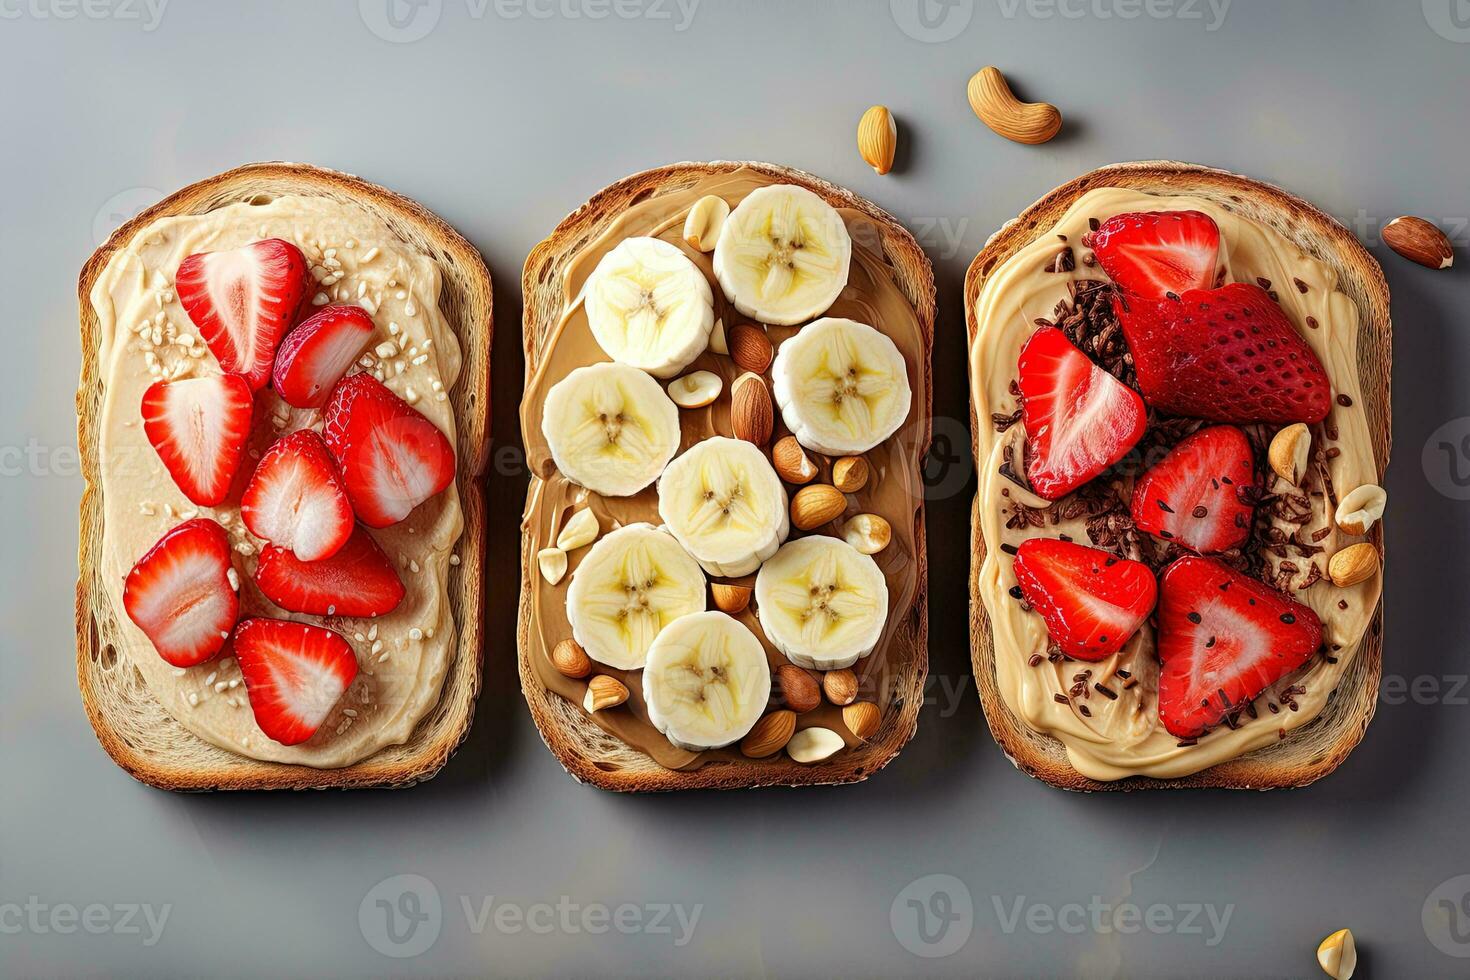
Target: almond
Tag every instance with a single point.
(571, 659)
(751, 415)
(877, 138)
(997, 106)
(730, 599)
(1338, 955)
(816, 505)
(553, 564)
(791, 461)
(850, 474)
(1419, 241)
(581, 530)
(840, 686)
(814, 745)
(604, 692)
(1288, 453)
(696, 389)
(750, 347)
(717, 340)
(868, 533)
(1353, 564)
(797, 688)
(703, 223)
(1361, 509)
(769, 735)
(862, 718)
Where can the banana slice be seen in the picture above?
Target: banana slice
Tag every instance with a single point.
(725, 504)
(649, 306)
(783, 255)
(841, 385)
(706, 682)
(633, 583)
(821, 602)
(611, 428)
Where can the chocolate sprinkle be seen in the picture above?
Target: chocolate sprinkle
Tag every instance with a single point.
(1344, 401)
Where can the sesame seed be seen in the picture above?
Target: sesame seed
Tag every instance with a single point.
(454, 559)
(234, 578)
(415, 634)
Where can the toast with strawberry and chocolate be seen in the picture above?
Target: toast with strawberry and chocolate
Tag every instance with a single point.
(1178, 376)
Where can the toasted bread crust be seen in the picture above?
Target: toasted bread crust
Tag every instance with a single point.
(130, 723)
(584, 749)
(1318, 749)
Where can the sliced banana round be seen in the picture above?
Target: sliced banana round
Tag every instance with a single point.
(706, 682)
(725, 504)
(633, 583)
(611, 428)
(841, 385)
(649, 306)
(821, 602)
(783, 255)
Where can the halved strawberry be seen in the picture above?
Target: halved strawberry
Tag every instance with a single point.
(1092, 601)
(392, 458)
(1079, 419)
(358, 580)
(243, 301)
(179, 593)
(296, 498)
(1154, 253)
(1227, 355)
(1192, 495)
(294, 674)
(1223, 639)
(315, 355)
(199, 427)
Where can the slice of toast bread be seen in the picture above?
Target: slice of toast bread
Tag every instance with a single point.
(1315, 750)
(587, 751)
(130, 722)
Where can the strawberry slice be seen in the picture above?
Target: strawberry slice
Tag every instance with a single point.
(243, 300)
(199, 427)
(1227, 355)
(1223, 639)
(315, 355)
(358, 580)
(1192, 495)
(179, 593)
(1154, 253)
(1079, 419)
(296, 498)
(294, 674)
(1092, 601)
(392, 458)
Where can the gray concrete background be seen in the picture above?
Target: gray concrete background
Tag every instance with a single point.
(503, 116)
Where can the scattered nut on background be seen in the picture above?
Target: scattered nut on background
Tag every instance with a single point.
(1338, 955)
(1419, 241)
(997, 106)
(877, 138)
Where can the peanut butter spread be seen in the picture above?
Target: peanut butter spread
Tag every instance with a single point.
(1108, 739)
(146, 336)
(894, 491)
